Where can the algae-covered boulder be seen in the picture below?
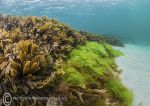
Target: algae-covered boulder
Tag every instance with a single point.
(93, 76)
(41, 57)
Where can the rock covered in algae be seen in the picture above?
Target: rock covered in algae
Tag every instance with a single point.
(42, 57)
(101, 39)
(91, 74)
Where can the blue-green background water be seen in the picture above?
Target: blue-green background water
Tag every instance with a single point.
(128, 19)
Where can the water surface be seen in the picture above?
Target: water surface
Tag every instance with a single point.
(129, 19)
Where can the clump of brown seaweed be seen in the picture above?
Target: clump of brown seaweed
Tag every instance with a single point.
(42, 57)
(102, 39)
(30, 50)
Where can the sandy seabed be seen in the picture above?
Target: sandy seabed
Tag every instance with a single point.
(136, 72)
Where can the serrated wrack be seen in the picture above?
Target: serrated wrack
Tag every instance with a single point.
(21, 56)
(15, 65)
(26, 68)
(34, 67)
(34, 49)
(3, 59)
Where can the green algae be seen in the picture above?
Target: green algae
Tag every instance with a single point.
(112, 52)
(89, 62)
(118, 90)
(87, 59)
(73, 77)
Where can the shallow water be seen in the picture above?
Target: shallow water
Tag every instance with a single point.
(129, 19)
(136, 72)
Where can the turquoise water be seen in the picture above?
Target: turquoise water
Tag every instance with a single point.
(127, 19)
(136, 72)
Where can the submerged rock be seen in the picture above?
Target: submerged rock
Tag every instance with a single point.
(103, 39)
(42, 57)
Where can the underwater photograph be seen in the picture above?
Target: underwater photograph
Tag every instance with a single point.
(74, 52)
